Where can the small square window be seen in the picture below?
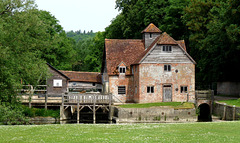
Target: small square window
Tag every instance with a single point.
(122, 69)
(57, 83)
(121, 89)
(184, 89)
(93, 84)
(167, 68)
(150, 89)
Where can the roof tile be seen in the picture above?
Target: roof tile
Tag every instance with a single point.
(118, 50)
(83, 76)
(151, 29)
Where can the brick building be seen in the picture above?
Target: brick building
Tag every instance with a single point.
(156, 68)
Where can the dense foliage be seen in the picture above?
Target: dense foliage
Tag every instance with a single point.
(78, 35)
(89, 50)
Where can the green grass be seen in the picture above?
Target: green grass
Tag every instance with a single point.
(216, 132)
(232, 102)
(176, 105)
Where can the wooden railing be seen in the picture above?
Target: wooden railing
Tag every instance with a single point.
(86, 98)
(66, 99)
(29, 89)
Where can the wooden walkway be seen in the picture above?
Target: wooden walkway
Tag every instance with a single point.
(76, 101)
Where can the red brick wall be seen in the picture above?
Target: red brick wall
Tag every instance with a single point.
(121, 80)
(154, 75)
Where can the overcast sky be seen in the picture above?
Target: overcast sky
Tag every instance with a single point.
(82, 15)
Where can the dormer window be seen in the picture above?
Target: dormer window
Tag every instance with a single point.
(122, 69)
(167, 49)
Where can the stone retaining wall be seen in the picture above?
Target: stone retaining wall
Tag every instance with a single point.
(154, 114)
(226, 112)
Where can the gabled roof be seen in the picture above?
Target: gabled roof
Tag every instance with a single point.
(119, 50)
(94, 77)
(165, 39)
(58, 71)
(151, 29)
(182, 43)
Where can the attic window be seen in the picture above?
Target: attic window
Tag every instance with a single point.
(122, 69)
(167, 49)
(150, 35)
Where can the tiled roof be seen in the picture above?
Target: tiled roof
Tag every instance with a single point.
(83, 76)
(58, 71)
(126, 51)
(165, 39)
(151, 29)
(182, 43)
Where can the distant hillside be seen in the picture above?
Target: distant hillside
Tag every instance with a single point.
(78, 35)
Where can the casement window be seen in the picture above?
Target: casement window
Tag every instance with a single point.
(122, 69)
(167, 68)
(121, 89)
(167, 49)
(184, 89)
(150, 89)
(57, 83)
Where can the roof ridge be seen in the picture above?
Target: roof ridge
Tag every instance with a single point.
(79, 71)
(124, 39)
(151, 28)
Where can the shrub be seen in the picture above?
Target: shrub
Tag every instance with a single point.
(12, 115)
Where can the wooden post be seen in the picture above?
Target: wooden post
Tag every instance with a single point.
(30, 101)
(94, 110)
(110, 108)
(78, 109)
(46, 98)
(224, 112)
(234, 112)
(63, 100)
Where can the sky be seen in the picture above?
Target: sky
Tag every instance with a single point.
(81, 15)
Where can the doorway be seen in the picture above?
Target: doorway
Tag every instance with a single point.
(167, 93)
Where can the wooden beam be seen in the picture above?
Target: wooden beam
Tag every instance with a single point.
(78, 112)
(94, 111)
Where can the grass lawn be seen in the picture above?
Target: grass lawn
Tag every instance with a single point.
(232, 102)
(215, 132)
(176, 105)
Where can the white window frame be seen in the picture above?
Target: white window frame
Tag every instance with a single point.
(167, 48)
(57, 82)
(167, 68)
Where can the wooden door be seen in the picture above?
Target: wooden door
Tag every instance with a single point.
(167, 93)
